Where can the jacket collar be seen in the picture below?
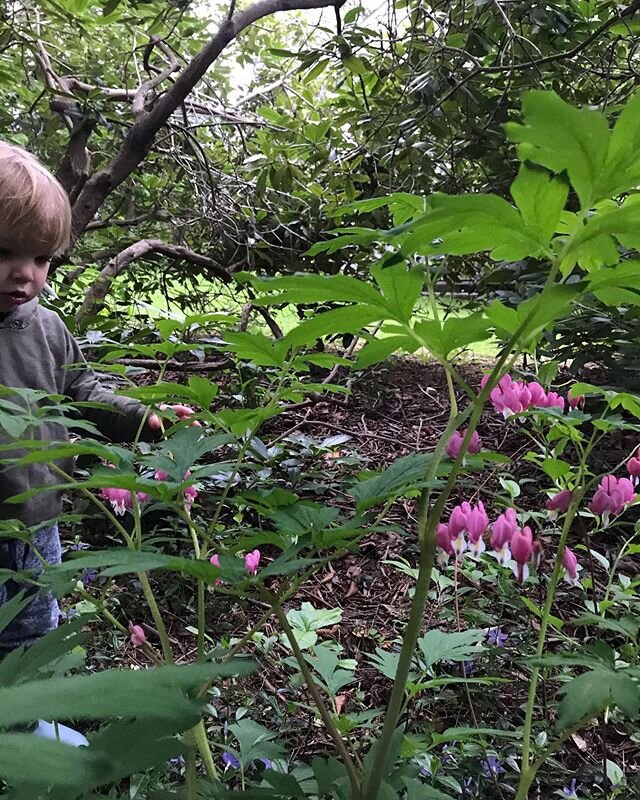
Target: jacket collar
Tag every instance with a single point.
(21, 316)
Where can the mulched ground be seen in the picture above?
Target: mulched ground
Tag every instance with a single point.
(394, 410)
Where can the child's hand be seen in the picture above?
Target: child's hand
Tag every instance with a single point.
(182, 412)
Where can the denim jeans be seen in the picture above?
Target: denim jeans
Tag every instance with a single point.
(42, 613)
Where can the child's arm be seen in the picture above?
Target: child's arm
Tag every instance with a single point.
(122, 421)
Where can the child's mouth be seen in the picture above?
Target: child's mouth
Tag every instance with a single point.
(14, 298)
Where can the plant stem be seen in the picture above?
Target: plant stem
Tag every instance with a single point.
(201, 740)
(354, 777)
(157, 617)
(528, 775)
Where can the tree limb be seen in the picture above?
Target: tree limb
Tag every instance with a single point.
(95, 294)
(141, 135)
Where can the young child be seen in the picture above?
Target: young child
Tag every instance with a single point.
(38, 352)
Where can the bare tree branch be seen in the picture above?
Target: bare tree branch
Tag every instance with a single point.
(141, 136)
(95, 294)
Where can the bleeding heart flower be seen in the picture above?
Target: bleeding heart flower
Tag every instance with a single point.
(190, 493)
(215, 560)
(251, 561)
(570, 564)
(538, 394)
(121, 499)
(611, 496)
(502, 532)
(137, 635)
(457, 527)
(522, 550)
(554, 400)
(633, 467)
(477, 524)
(576, 402)
(443, 544)
(559, 503)
(454, 445)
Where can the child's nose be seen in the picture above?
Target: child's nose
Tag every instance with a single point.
(23, 269)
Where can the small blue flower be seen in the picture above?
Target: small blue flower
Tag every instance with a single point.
(496, 638)
(70, 614)
(468, 667)
(88, 576)
(571, 791)
(230, 760)
(491, 767)
(467, 788)
(267, 763)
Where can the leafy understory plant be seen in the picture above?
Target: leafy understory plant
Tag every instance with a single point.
(574, 210)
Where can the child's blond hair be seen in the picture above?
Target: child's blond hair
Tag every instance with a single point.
(35, 212)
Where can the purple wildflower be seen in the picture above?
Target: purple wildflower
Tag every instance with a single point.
(88, 576)
(467, 788)
(491, 767)
(571, 791)
(230, 760)
(267, 763)
(468, 667)
(496, 638)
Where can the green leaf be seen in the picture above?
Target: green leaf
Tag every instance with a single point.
(311, 288)
(627, 626)
(49, 762)
(622, 168)
(254, 741)
(153, 694)
(454, 333)
(541, 199)
(349, 319)
(535, 314)
(563, 139)
(438, 646)
(400, 288)
(589, 694)
(376, 350)
(258, 348)
(405, 473)
(470, 223)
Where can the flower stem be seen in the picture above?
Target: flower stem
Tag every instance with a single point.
(157, 617)
(354, 777)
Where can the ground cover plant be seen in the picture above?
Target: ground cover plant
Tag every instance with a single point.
(519, 640)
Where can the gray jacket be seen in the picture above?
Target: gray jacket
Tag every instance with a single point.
(36, 350)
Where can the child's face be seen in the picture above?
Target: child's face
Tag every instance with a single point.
(22, 275)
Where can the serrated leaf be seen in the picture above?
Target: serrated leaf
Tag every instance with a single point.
(541, 198)
(454, 333)
(405, 473)
(563, 138)
(473, 223)
(587, 695)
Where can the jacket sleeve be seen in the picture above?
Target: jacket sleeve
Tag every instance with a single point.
(119, 423)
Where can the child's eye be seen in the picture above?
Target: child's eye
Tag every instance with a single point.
(41, 261)
(5, 252)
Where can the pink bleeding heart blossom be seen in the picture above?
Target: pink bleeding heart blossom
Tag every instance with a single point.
(454, 445)
(553, 400)
(611, 497)
(559, 503)
(190, 493)
(570, 564)
(538, 394)
(576, 402)
(137, 635)
(502, 532)
(121, 499)
(251, 561)
(443, 544)
(458, 526)
(477, 524)
(215, 560)
(522, 550)
(633, 467)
